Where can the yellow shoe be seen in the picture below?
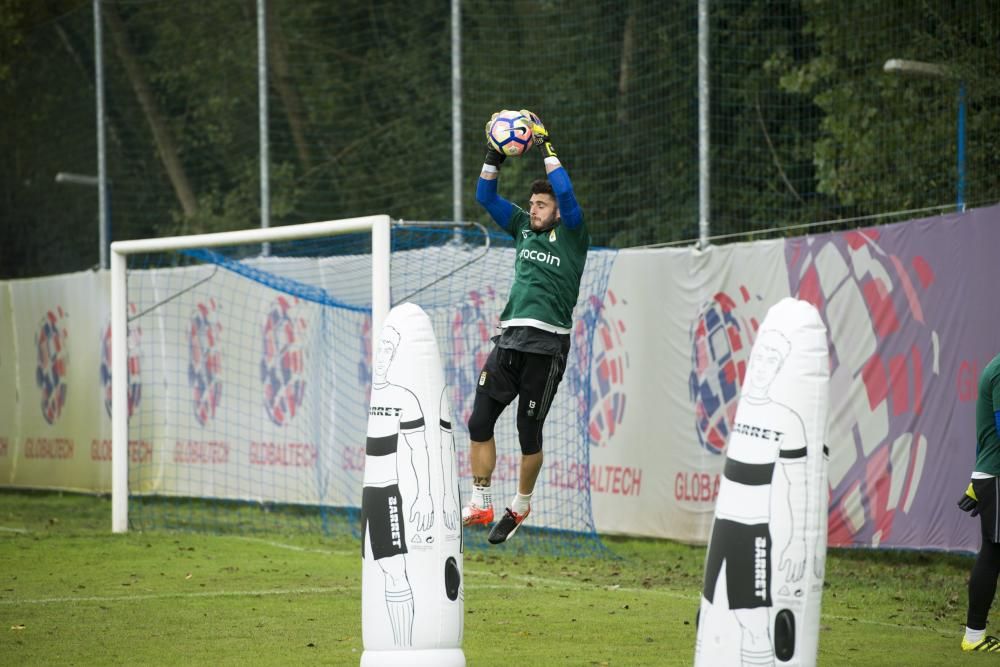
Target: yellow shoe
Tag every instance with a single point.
(988, 644)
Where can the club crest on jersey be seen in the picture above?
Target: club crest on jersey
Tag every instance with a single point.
(524, 233)
(552, 236)
(482, 379)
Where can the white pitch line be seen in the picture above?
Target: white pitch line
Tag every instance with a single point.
(294, 547)
(204, 594)
(167, 596)
(533, 579)
(6, 529)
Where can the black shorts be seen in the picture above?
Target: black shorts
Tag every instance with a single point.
(533, 377)
(507, 374)
(986, 494)
(382, 521)
(746, 551)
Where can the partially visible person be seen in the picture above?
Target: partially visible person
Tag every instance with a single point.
(980, 499)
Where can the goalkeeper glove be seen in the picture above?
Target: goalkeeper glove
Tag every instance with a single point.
(493, 156)
(969, 502)
(539, 134)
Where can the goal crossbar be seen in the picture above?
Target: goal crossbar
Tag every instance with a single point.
(378, 225)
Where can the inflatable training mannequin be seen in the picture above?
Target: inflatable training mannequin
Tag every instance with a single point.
(767, 551)
(412, 600)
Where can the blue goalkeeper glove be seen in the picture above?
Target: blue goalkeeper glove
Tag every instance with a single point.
(539, 134)
(969, 502)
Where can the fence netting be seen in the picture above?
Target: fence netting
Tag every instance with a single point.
(806, 124)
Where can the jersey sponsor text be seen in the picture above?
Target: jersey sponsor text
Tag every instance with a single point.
(539, 256)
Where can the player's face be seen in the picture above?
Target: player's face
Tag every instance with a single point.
(764, 365)
(543, 211)
(383, 356)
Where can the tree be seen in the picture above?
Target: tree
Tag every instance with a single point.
(887, 142)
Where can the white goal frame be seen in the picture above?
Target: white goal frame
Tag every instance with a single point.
(379, 225)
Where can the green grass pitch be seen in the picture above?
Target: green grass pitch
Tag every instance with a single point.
(71, 593)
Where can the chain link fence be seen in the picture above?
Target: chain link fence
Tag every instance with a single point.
(808, 129)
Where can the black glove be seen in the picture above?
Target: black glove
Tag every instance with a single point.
(493, 156)
(969, 502)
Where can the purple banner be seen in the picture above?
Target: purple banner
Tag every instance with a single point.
(910, 312)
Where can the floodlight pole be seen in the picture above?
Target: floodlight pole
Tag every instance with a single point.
(918, 68)
(960, 140)
(456, 109)
(265, 179)
(103, 214)
(704, 146)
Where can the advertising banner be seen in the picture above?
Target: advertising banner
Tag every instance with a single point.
(906, 308)
(245, 383)
(57, 326)
(10, 409)
(245, 389)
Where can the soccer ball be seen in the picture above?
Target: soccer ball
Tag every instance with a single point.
(510, 133)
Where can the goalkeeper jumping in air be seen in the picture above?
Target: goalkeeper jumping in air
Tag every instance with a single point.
(529, 355)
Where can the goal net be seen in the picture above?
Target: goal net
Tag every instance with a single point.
(248, 358)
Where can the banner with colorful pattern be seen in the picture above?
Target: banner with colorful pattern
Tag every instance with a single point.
(53, 437)
(910, 318)
(908, 308)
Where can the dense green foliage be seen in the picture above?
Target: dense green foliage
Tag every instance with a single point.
(805, 125)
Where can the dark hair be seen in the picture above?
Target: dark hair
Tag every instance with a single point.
(542, 187)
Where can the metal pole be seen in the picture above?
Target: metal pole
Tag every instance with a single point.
(103, 211)
(265, 185)
(381, 274)
(456, 109)
(919, 68)
(960, 139)
(704, 164)
(119, 395)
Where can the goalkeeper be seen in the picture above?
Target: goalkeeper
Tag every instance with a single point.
(529, 354)
(980, 498)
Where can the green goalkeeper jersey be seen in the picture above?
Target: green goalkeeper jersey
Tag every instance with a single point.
(548, 268)
(987, 408)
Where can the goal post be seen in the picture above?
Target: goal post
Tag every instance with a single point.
(241, 369)
(378, 225)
